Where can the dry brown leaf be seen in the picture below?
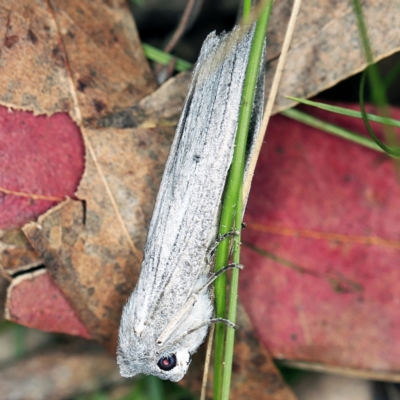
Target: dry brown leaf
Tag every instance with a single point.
(65, 61)
(16, 253)
(326, 47)
(66, 56)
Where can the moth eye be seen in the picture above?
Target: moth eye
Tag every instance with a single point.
(167, 363)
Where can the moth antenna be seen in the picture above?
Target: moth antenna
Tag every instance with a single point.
(205, 323)
(191, 301)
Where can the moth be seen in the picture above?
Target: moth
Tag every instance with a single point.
(168, 314)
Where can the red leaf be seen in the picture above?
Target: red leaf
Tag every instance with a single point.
(40, 156)
(37, 302)
(43, 160)
(328, 213)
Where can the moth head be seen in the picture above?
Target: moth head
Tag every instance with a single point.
(168, 366)
(139, 353)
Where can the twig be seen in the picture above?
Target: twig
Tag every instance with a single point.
(181, 26)
(163, 73)
(207, 363)
(30, 195)
(272, 96)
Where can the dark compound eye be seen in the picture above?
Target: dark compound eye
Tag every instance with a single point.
(167, 363)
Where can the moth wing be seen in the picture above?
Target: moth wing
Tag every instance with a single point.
(185, 217)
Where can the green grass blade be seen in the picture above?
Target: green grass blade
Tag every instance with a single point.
(392, 151)
(345, 111)
(138, 391)
(161, 57)
(154, 388)
(330, 128)
(234, 183)
(19, 340)
(233, 296)
(377, 87)
(246, 9)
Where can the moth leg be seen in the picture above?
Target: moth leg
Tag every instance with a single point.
(215, 275)
(190, 303)
(218, 240)
(224, 321)
(209, 322)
